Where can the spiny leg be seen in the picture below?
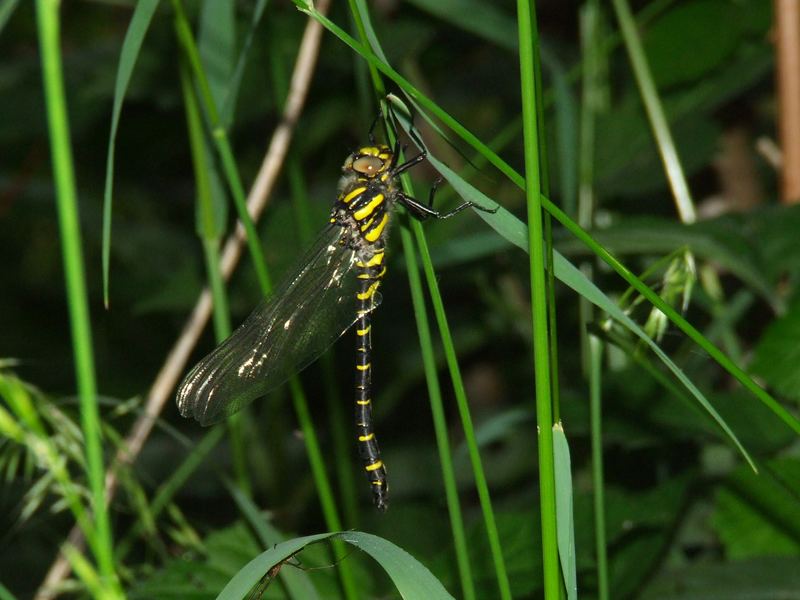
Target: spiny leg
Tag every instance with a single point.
(370, 274)
(422, 211)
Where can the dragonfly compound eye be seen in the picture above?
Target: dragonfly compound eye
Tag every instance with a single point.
(368, 165)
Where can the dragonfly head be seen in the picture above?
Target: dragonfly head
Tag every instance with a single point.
(369, 161)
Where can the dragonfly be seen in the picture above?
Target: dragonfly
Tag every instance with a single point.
(334, 286)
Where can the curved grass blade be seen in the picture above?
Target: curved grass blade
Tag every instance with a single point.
(142, 15)
(515, 231)
(411, 579)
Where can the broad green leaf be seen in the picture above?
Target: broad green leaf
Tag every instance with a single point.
(757, 515)
(777, 354)
(140, 22)
(692, 39)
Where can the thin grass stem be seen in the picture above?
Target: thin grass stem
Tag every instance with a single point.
(598, 481)
(541, 337)
(655, 112)
(220, 137)
(77, 298)
(438, 415)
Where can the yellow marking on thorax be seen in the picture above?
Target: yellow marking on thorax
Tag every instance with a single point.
(375, 233)
(353, 193)
(369, 151)
(367, 225)
(367, 210)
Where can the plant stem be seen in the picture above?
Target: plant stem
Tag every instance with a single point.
(77, 297)
(541, 347)
(596, 418)
(439, 420)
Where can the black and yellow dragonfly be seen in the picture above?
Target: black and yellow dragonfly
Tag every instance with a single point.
(334, 287)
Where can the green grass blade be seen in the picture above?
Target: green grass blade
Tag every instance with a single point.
(564, 510)
(29, 429)
(655, 113)
(481, 484)
(410, 577)
(322, 482)
(167, 490)
(439, 419)
(140, 22)
(86, 573)
(216, 44)
(298, 583)
(7, 8)
(219, 136)
(598, 481)
(232, 92)
(528, 41)
(77, 297)
(210, 224)
(5, 593)
(514, 231)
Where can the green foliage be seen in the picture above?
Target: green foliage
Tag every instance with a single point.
(777, 354)
(170, 106)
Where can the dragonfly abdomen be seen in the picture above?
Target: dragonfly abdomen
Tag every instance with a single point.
(370, 273)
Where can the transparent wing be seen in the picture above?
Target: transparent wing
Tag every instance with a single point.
(307, 312)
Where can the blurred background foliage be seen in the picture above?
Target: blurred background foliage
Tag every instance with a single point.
(685, 517)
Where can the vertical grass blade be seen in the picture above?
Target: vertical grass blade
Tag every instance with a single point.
(541, 347)
(655, 112)
(439, 419)
(481, 485)
(324, 489)
(142, 15)
(77, 300)
(598, 484)
(566, 522)
(185, 36)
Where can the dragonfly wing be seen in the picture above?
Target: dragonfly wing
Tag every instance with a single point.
(308, 311)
